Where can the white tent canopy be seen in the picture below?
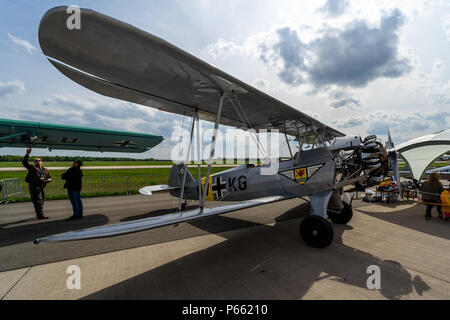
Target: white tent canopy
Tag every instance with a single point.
(419, 153)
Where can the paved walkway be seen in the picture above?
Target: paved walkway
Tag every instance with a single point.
(259, 255)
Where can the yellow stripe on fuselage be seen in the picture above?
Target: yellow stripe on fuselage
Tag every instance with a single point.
(209, 195)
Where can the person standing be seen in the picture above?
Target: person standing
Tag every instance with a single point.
(431, 193)
(37, 178)
(73, 178)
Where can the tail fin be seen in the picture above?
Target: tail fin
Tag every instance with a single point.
(177, 173)
(175, 184)
(176, 180)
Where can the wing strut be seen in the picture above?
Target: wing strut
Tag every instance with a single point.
(247, 124)
(287, 141)
(212, 150)
(199, 159)
(187, 160)
(300, 144)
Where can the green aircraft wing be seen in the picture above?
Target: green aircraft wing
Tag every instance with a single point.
(24, 134)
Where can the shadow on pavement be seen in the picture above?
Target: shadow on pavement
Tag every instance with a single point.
(263, 263)
(2, 226)
(18, 251)
(29, 232)
(411, 218)
(300, 211)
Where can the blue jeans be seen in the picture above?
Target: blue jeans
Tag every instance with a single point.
(75, 199)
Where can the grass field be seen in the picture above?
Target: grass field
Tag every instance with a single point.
(90, 163)
(439, 164)
(161, 175)
(103, 182)
(68, 164)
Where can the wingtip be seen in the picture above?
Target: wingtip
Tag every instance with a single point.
(37, 241)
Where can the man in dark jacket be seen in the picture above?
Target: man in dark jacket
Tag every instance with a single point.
(73, 178)
(37, 178)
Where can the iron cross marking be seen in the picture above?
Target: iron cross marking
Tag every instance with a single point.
(218, 186)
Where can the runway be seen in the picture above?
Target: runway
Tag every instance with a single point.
(254, 253)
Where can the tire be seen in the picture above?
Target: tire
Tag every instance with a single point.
(316, 231)
(344, 215)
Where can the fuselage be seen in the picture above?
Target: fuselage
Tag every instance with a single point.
(314, 172)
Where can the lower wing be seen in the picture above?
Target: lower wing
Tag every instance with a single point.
(154, 222)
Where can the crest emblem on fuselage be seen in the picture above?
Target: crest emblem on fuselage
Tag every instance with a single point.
(302, 175)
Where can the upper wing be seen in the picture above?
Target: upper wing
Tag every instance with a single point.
(121, 61)
(23, 134)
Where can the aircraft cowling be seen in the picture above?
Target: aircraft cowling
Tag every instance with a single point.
(365, 165)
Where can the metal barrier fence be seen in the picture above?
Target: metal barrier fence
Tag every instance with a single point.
(92, 185)
(10, 188)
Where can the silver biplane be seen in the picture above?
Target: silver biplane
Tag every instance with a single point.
(118, 60)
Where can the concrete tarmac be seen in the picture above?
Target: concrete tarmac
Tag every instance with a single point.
(255, 253)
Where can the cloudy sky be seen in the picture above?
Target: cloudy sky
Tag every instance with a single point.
(357, 66)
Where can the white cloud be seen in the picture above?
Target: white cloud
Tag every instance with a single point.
(100, 112)
(11, 87)
(315, 115)
(222, 48)
(446, 25)
(437, 69)
(351, 56)
(261, 84)
(428, 87)
(22, 43)
(348, 123)
(335, 8)
(403, 126)
(341, 99)
(326, 60)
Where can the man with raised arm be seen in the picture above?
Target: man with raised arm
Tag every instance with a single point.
(37, 178)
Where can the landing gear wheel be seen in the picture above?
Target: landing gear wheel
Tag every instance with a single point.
(316, 231)
(343, 216)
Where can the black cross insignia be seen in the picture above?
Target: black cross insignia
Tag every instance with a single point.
(218, 186)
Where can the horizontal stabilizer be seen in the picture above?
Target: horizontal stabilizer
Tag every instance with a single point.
(148, 191)
(154, 222)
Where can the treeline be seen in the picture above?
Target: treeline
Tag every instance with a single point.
(9, 158)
